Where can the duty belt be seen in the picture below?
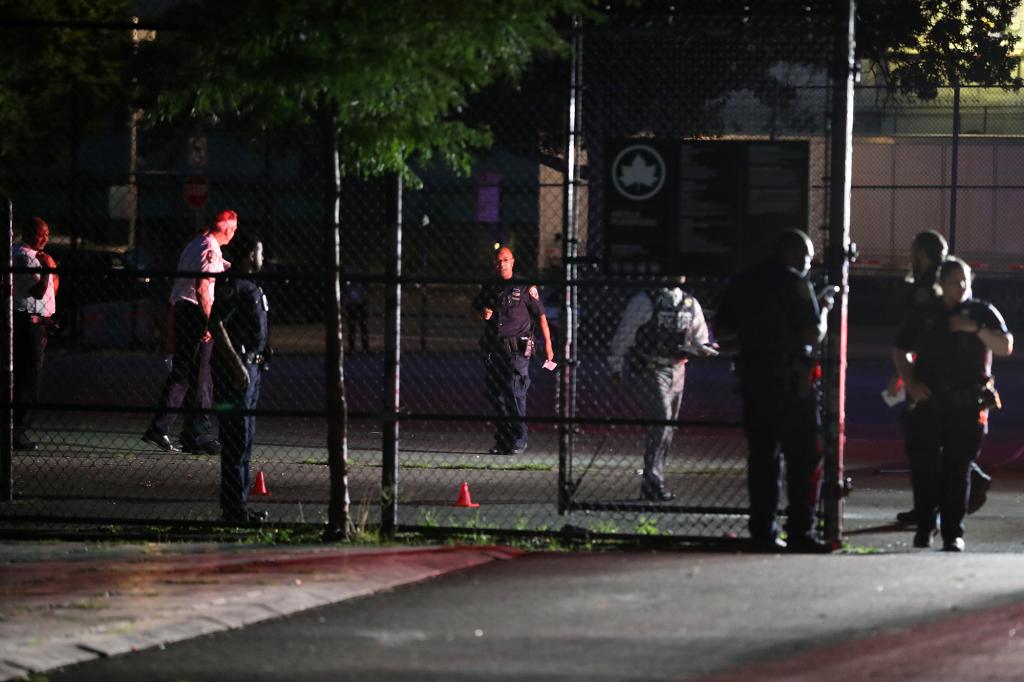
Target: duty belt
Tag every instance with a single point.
(35, 319)
(255, 358)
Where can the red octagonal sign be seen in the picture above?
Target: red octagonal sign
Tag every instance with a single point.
(197, 191)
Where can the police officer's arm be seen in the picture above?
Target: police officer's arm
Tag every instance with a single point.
(903, 349)
(809, 318)
(227, 354)
(545, 332)
(699, 334)
(481, 305)
(637, 312)
(902, 359)
(990, 328)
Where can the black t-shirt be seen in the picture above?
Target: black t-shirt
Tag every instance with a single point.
(768, 308)
(515, 306)
(947, 360)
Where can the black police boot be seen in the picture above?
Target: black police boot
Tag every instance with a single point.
(807, 544)
(923, 538)
(771, 544)
(954, 545)
(201, 445)
(655, 492)
(907, 518)
(250, 516)
(153, 436)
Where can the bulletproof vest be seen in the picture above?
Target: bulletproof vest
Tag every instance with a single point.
(666, 334)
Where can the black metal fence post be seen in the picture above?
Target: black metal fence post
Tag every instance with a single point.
(838, 263)
(7, 358)
(570, 244)
(954, 166)
(334, 358)
(392, 366)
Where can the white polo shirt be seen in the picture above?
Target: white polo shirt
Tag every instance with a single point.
(202, 254)
(24, 256)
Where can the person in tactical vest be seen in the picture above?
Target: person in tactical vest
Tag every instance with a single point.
(928, 250)
(943, 353)
(239, 326)
(509, 312)
(659, 330)
(779, 323)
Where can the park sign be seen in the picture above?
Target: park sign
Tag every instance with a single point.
(701, 206)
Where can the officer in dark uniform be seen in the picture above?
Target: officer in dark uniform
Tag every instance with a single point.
(510, 311)
(238, 324)
(944, 353)
(779, 322)
(927, 252)
(663, 328)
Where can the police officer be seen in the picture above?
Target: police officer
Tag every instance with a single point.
(928, 250)
(943, 354)
(238, 323)
(35, 295)
(662, 327)
(779, 322)
(510, 312)
(188, 382)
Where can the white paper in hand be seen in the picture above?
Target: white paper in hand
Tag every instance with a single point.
(549, 365)
(894, 398)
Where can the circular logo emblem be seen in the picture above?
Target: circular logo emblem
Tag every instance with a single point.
(638, 172)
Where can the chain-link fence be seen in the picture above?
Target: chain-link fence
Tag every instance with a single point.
(735, 103)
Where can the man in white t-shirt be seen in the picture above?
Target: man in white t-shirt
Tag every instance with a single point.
(189, 383)
(34, 296)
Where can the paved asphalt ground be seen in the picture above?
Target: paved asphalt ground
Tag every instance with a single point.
(878, 610)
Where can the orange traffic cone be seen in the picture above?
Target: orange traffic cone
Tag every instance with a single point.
(464, 499)
(260, 486)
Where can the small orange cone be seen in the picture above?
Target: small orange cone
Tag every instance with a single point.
(464, 499)
(260, 486)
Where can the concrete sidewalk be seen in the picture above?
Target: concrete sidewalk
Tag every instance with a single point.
(65, 603)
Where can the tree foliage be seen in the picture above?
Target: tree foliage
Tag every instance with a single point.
(923, 45)
(45, 63)
(392, 75)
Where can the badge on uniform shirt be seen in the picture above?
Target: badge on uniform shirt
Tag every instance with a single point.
(688, 301)
(534, 293)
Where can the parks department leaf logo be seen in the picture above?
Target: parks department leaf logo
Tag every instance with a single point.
(638, 172)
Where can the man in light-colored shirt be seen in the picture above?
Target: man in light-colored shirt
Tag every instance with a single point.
(189, 382)
(663, 327)
(34, 296)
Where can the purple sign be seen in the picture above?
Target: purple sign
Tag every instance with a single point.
(488, 197)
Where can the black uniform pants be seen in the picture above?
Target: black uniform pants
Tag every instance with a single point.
(508, 379)
(29, 348)
(237, 432)
(941, 445)
(781, 420)
(189, 383)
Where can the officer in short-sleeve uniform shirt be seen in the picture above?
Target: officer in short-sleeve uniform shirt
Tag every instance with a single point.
(510, 312)
(944, 432)
(240, 312)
